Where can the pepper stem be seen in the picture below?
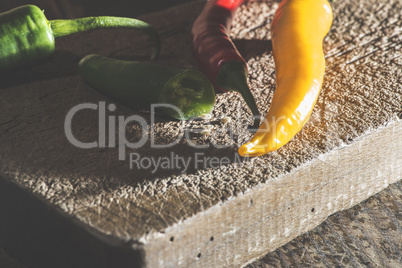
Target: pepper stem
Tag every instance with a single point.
(184, 96)
(66, 27)
(189, 92)
(232, 76)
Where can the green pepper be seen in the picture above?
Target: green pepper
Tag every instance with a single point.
(138, 85)
(27, 37)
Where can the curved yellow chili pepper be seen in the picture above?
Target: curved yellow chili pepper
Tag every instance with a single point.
(298, 29)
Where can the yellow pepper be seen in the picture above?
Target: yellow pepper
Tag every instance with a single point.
(298, 29)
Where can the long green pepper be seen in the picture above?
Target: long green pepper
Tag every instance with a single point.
(27, 38)
(139, 85)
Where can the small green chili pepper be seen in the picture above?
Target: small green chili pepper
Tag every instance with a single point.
(138, 85)
(27, 37)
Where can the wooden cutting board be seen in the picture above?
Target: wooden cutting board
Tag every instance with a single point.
(64, 205)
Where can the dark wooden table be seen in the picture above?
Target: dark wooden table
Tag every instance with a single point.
(65, 206)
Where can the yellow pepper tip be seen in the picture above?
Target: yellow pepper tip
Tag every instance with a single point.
(249, 150)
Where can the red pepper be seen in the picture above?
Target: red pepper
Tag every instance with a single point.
(215, 53)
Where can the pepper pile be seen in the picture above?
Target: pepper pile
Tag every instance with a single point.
(298, 29)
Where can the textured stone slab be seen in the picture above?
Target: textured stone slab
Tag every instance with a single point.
(366, 235)
(210, 215)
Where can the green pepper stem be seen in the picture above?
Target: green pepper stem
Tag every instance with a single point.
(232, 76)
(188, 92)
(66, 27)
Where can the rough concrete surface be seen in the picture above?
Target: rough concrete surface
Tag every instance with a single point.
(348, 151)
